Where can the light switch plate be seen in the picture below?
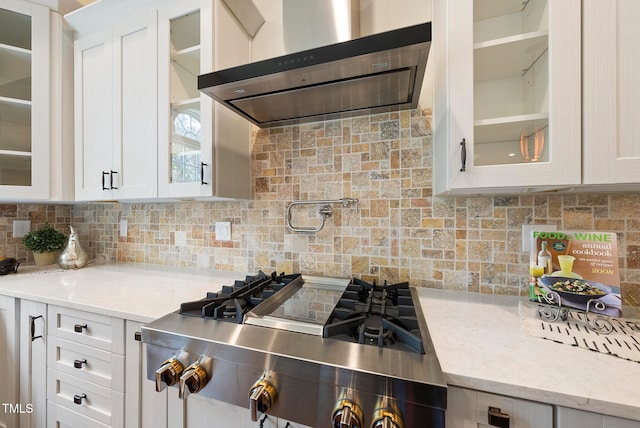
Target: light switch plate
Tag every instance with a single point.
(526, 233)
(124, 226)
(223, 231)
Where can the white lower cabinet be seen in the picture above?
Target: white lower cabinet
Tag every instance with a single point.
(467, 408)
(572, 418)
(201, 411)
(144, 407)
(9, 361)
(33, 363)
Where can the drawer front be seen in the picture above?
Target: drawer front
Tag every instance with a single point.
(99, 331)
(61, 417)
(95, 365)
(88, 399)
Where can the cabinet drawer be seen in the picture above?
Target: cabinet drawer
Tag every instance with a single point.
(99, 331)
(61, 417)
(95, 365)
(88, 399)
(521, 413)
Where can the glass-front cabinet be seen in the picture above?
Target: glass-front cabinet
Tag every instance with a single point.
(204, 149)
(15, 99)
(179, 100)
(506, 95)
(31, 60)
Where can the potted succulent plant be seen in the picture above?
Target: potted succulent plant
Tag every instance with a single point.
(45, 243)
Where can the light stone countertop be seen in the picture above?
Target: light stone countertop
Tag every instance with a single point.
(133, 292)
(480, 346)
(477, 337)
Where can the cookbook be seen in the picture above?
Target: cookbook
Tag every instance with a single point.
(581, 267)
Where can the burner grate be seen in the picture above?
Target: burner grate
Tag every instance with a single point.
(231, 303)
(371, 314)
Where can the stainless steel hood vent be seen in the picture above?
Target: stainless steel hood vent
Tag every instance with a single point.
(370, 74)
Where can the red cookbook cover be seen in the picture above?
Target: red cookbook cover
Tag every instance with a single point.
(579, 266)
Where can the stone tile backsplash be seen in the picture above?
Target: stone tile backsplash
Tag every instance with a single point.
(400, 231)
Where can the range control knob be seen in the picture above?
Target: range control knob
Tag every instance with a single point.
(168, 374)
(346, 414)
(262, 396)
(386, 418)
(193, 379)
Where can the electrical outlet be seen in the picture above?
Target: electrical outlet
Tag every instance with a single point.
(526, 233)
(223, 231)
(21, 228)
(124, 226)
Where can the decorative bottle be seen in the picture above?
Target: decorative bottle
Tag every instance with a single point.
(73, 257)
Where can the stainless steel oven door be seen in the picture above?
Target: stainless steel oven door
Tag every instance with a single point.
(302, 306)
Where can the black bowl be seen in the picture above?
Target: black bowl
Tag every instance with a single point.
(579, 297)
(9, 265)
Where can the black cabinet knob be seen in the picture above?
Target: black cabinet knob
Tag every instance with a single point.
(78, 398)
(78, 328)
(78, 363)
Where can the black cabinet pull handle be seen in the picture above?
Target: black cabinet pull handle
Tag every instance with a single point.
(103, 185)
(32, 321)
(463, 155)
(78, 363)
(137, 336)
(111, 179)
(78, 398)
(497, 419)
(78, 328)
(202, 182)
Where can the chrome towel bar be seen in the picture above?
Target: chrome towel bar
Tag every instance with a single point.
(325, 212)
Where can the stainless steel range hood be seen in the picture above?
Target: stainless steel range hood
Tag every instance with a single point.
(365, 75)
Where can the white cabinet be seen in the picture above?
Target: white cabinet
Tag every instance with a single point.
(144, 407)
(115, 111)
(9, 361)
(198, 411)
(85, 371)
(572, 418)
(506, 95)
(610, 104)
(33, 363)
(467, 408)
(35, 138)
(204, 148)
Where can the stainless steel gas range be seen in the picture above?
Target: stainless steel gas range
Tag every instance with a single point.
(313, 350)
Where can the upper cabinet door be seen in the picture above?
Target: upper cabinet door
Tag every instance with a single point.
(182, 162)
(93, 115)
(135, 107)
(116, 111)
(506, 95)
(204, 148)
(611, 87)
(30, 93)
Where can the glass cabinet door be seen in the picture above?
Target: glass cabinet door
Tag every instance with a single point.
(181, 164)
(511, 82)
(15, 99)
(185, 99)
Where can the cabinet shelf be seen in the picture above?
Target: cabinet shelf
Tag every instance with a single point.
(508, 128)
(508, 56)
(189, 59)
(189, 104)
(15, 81)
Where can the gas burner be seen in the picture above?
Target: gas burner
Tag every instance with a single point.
(372, 332)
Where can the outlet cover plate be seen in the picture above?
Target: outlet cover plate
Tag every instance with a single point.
(21, 228)
(223, 231)
(526, 233)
